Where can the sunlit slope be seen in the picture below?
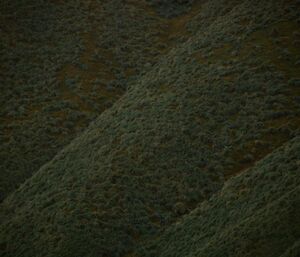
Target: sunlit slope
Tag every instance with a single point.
(255, 214)
(210, 109)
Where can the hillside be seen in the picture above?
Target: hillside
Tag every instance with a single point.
(62, 64)
(255, 214)
(198, 157)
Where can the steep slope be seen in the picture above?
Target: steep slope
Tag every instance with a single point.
(208, 110)
(62, 64)
(255, 214)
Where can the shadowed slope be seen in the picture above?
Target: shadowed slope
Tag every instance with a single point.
(190, 122)
(62, 64)
(255, 214)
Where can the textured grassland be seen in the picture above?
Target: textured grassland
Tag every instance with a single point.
(255, 214)
(207, 136)
(62, 65)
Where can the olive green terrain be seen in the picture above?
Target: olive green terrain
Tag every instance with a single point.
(200, 155)
(255, 214)
(62, 64)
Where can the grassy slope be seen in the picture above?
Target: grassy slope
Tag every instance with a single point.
(255, 214)
(62, 64)
(207, 111)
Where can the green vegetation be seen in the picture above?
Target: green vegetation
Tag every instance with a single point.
(171, 8)
(200, 155)
(255, 214)
(62, 65)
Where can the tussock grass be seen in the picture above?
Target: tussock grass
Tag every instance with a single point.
(191, 137)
